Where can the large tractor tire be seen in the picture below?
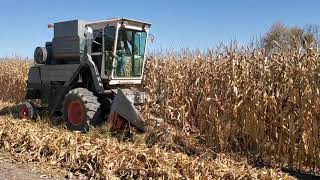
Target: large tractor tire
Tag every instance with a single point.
(80, 108)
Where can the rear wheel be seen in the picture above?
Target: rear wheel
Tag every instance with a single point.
(80, 108)
(27, 110)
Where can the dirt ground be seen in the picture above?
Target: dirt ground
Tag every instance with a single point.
(9, 169)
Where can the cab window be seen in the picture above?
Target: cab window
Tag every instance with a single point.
(97, 41)
(109, 36)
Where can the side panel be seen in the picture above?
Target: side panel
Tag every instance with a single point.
(57, 72)
(68, 41)
(34, 75)
(66, 48)
(45, 81)
(34, 84)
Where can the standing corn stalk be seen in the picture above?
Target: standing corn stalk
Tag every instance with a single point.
(265, 105)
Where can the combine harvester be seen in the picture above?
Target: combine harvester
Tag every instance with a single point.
(89, 73)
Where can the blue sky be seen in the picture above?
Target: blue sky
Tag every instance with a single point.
(176, 23)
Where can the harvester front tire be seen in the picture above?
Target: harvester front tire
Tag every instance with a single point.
(80, 107)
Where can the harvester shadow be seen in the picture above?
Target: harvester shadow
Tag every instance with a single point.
(301, 175)
(12, 110)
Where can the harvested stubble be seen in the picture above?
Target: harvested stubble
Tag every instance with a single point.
(106, 158)
(262, 105)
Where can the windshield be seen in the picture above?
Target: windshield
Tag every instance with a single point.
(130, 53)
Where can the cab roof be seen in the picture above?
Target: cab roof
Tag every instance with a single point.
(120, 20)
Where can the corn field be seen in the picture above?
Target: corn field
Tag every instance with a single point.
(13, 76)
(265, 107)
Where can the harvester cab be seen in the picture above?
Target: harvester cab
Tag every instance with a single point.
(90, 72)
(121, 44)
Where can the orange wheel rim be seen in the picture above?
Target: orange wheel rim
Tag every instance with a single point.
(23, 111)
(75, 113)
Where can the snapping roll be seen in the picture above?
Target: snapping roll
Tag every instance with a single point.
(122, 109)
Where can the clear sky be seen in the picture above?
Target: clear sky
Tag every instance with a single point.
(175, 23)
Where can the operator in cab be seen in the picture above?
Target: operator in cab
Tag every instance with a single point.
(124, 55)
(121, 59)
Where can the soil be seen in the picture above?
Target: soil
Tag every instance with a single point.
(9, 169)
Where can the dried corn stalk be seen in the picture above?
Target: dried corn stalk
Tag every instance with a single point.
(262, 105)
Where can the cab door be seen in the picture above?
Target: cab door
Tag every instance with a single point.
(109, 35)
(97, 48)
